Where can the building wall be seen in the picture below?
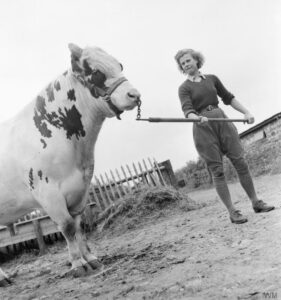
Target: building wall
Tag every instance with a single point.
(262, 149)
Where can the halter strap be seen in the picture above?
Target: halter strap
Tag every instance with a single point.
(106, 95)
(115, 85)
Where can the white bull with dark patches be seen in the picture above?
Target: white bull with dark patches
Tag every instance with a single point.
(46, 151)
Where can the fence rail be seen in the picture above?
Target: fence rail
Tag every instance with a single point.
(105, 190)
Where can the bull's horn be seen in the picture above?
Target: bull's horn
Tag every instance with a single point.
(75, 50)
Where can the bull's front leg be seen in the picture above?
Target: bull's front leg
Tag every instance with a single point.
(83, 246)
(54, 203)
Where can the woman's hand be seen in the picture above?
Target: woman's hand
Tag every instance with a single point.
(249, 117)
(239, 107)
(203, 119)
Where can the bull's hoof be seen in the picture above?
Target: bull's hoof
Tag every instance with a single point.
(90, 268)
(96, 265)
(76, 272)
(5, 282)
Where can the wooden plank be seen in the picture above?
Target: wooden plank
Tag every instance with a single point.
(48, 226)
(97, 198)
(143, 174)
(11, 229)
(39, 236)
(149, 174)
(131, 176)
(139, 176)
(168, 174)
(154, 172)
(159, 172)
(4, 234)
(118, 175)
(110, 186)
(125, 175)
(25, 231)
(119, 192)
(101, 192)
(106, 191)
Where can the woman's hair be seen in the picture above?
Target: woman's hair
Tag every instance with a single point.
(195, 54)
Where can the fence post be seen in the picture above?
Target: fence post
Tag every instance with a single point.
(39, 236)
(168, 173)
(11, 229)
(117, 187)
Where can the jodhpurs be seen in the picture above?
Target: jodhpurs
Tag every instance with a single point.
(215, 139)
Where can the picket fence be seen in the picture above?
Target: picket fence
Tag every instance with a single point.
(111, 186)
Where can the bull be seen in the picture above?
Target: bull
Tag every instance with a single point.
(47, 149)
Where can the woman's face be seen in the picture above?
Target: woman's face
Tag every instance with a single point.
(188, 64)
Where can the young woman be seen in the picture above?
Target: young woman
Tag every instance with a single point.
(199, 99)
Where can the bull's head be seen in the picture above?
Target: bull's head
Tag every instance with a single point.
(102, 73)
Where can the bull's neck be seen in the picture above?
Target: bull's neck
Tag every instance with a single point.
(67, 108)
(91, 111)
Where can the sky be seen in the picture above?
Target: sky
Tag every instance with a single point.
(240, 39)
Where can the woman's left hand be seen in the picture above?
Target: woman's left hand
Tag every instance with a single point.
(249, 117)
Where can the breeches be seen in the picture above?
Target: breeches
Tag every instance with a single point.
(215, 139)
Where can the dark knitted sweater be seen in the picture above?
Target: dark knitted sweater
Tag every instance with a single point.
(195, 96)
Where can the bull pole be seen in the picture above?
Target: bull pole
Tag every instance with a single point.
(185, 120)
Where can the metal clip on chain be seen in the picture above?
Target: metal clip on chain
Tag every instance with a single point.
(139, 109)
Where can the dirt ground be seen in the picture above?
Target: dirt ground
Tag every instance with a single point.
(182, 255)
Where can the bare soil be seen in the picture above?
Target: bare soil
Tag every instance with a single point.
(176, 255)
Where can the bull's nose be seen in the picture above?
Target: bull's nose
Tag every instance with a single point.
(134, 94)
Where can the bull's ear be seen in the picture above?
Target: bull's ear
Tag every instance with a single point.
(76, 53)
(75, 50)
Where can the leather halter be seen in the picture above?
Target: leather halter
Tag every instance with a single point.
(104, 93)
(107, 96)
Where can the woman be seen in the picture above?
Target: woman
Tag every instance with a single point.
(199, 99)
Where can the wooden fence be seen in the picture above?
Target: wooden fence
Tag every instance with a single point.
(105, 190)
(113, 185)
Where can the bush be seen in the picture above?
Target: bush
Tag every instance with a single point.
(194, 174)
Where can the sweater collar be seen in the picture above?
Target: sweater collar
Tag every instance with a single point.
(195, 78)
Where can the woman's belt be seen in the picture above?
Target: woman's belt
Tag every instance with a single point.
(208, 108)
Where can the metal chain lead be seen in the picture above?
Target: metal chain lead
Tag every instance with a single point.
(139, 110)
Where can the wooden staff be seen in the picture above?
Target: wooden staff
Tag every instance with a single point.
(185, 120)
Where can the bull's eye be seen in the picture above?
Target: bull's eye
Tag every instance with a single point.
(98, 78)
